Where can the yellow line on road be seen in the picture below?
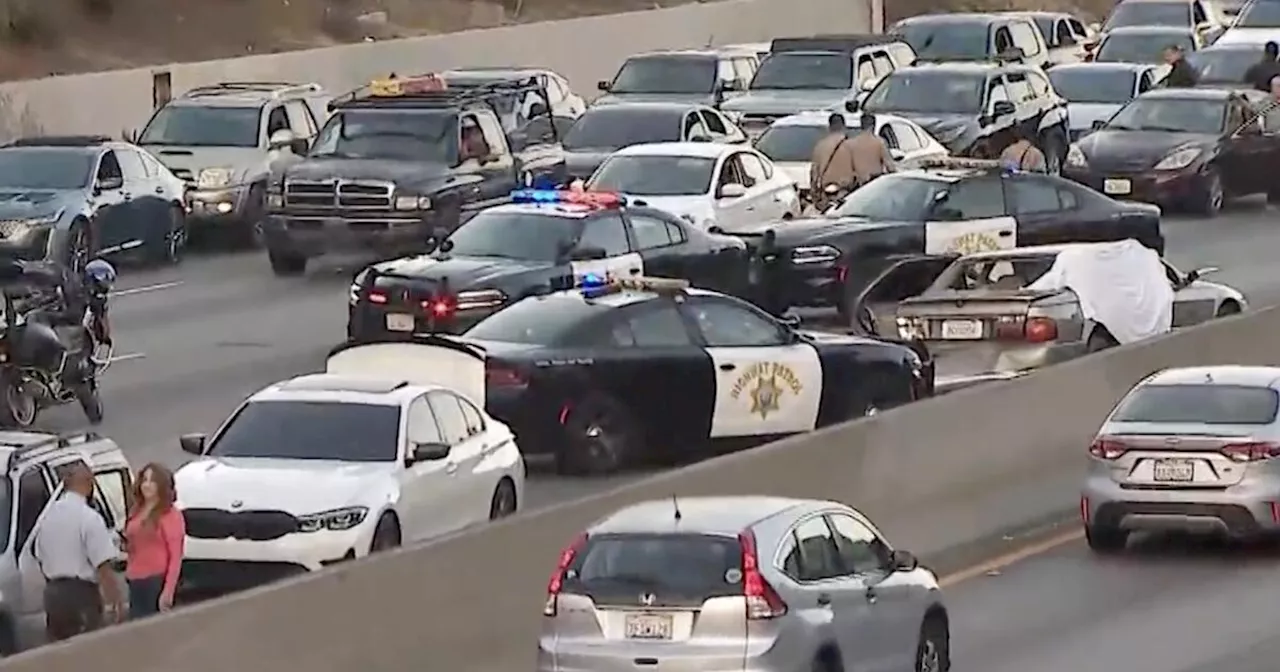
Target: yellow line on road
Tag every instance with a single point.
(1006, 559)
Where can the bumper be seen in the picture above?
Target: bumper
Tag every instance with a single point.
(1164, 188)
(217, 206)
(232, 564)
(1239, 510)
(313, 236)
(600, 659)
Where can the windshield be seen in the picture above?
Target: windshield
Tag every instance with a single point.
(676, 569)
(793, 144)
(1259, 15)
(892, 197)
(667, 74)
(1094, 86)
(44, 168)
(1170, 114)
(541, 320)
(1200, 404)
(926, 90)
(311, 430)
(1141, 48)
(1223, 66)
(800, 70)
(609, 128)
(1149, 14)
(528, 235)
(194, 126)
(409, 135)
(945, 40)
(654, 175)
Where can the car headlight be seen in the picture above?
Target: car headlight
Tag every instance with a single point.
(275, 201)
(413, 203)
(1179, 159)
(1075, 157)
(480, 298)
(336, 520)
(17, 229)
(212, 178)
(815, 254)
(911, 329)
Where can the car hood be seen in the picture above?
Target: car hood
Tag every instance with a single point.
(691, 98)
(1107, 147)
(178, 158)
(299, 487)
(582, 162)
(463, 271)
(1082, 115)
(390, 170)
(955, 131)
(785, 101)
(29, 203)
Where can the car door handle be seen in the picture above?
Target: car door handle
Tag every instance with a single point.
(635, 271)
(159, 190)
(126, 196)
(824, 600)
(728, 367)
(1005, 233)
(871, 595)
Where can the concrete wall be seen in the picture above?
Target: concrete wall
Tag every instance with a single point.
(586, 50)
(934, 474)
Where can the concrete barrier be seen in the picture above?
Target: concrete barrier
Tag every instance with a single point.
(935, 475)
(585, 50)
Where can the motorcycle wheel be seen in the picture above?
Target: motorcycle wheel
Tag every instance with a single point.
(90, 402)
(18, 409)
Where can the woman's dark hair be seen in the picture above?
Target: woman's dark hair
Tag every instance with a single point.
(167, 494)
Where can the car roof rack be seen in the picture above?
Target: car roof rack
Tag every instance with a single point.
(432, 91)
(838, 43)
(274, 89)
(60, 141)
(26, 450)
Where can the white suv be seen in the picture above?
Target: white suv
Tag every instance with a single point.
(331, 467)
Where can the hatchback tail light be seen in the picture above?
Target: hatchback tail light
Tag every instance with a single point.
(1252, 451)
(557, 577)
(763, 601)
(1106, 448)
(1040, 330)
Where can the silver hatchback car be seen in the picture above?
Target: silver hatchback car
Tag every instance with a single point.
(714, 584)
(1187, 450)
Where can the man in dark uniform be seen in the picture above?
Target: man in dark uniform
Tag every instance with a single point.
(1181, 73)
(1259, 74)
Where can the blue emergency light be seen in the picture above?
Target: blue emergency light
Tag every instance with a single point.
(591, 198)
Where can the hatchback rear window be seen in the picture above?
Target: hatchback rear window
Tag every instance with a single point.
(1202, 404)
(656, 569)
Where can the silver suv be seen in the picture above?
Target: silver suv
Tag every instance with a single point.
(713, 584)
(222, 140)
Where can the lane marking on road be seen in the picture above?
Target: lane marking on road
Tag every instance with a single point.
(147, 288)
(127, 356)
(1012, 557)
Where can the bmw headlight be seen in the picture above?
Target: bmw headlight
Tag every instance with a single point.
(336, 520)
(1179, 159)
(1075, 157)
(814, 254)
(413, 203)
(480, 298)
(212, 178)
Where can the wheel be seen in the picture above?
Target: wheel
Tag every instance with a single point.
(284, 264)
(168, 250)
(1100, 340)
(244, 233)
(827, 660)
(1053, 149)
(90, 402)
(504, 501)
(932, 653)
(1228, 308)
(602, 439)
(1212, 196)
(18, 409)
(387, 535)
(78, 252)
(1105, 540)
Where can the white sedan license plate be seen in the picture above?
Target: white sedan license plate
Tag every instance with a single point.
(400, 322)
(1174, 470)
(648, 626)
(961, 329)
(1117, 187)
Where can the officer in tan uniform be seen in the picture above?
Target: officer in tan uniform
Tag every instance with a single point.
(871, 157)
(832, 161)
(1022, 154)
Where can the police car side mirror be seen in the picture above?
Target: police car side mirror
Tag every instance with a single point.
(428, 451)
(790, 321)
(897, 154)
(1002, 108)
(192, 443)
(281, 139)
(587, 254)
(1098, 124)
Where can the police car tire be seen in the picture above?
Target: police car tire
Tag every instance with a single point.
(576, 456)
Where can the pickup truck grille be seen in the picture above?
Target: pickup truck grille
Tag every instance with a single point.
(339, 194)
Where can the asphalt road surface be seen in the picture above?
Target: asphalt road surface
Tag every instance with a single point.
(194, 341)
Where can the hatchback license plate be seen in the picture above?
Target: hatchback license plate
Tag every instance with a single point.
(1117, 187)
(648, 626)
(399, 322)
(961, 329)
(1173, 470)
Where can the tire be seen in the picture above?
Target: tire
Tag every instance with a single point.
(243, 235)
(1105, 540)
(601, 439)
(1212, 197)
(386, 535)
(1100, 340)
(168, 250)
(1054, 150)
(504, 501)
(90, 402)
(79, 248)
(18, 410)
(933, 651)
(286, 265)
(827, 660)
(1227, 309)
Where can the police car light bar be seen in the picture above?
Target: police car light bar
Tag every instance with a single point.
(950, 162)
(593, 286)
(394, 86)
(598, 199)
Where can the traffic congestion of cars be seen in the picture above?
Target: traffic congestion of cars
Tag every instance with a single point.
(643, 278)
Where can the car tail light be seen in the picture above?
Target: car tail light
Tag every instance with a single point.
(378, 297)
(1040, 330)
(1106, 448)
(439, 308)
(557, 578)
(763, 601)
(503, 376)
(1009, 328)
(1252, 451)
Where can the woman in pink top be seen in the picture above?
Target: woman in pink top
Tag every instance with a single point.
(154, 537)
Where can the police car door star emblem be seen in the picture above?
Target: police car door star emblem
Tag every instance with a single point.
(647, 599)
(765, 384)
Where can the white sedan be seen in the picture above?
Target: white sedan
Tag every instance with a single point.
(709, 184)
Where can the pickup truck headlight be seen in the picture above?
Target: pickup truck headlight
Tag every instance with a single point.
(814, 254)
(212, 178)
(480, 299)
(413, 203)
(336, 520)
(1075, 158)
(275, 201)
(1179, 159)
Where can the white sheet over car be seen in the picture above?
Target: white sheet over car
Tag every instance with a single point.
(1120, 285)
(416, 363)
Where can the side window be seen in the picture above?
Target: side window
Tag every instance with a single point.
(33, 496)
(1003, 41)
(1024, 38)
(866, 71)
(475, 421)
(1040, 85)
(693, 126)
(979, 198)
(277, 120)
(494, 137)
(743, 70)
(1145, 82)
(752, 169)
(676, 233)
(714, 123)
(114, 486)
(1198, 13)
(300, 120)
(606, 232)
(658, 325)
(151, 165)
(724, 70)
(453, 426)
(727, 324)
(131, 166)
(861, 551)
(1031, 196)
(819, 558)
(422, 426)
(996, 93)
(1078, 28)
(921, 136)
(902, 54)
(650, 232)
(889, 136)
(907, 139)
(1020, 88)
(880, 61)
(1064, 36)
(556, 90)
(790, 552)
(731, 173)
(108, 167)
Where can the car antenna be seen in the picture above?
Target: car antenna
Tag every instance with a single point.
(675, 504)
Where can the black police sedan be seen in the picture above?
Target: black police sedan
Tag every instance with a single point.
(606, 377)
(1183, 148)
(542, 241)
(829, 260)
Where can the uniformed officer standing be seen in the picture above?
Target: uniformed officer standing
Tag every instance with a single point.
(871, 157)
(1022, 154)
(75, 549)
(832, 160)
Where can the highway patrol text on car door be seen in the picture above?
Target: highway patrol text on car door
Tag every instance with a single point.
(424, 486)
(971, 217)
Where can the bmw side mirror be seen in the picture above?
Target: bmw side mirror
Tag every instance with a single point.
(904, 561)
(192, 443)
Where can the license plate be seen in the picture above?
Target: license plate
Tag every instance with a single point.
(648, 626)
(1117, 187)
(961, 329)
(1174, 471)
(400, 322)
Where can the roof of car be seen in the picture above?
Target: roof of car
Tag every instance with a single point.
(1038, 14)
(647, 106)
(1105, 66)
(709, 515)
(329, 387)
(1149, 30)
(974, 67)
(1261, 376)
(1197, 93)
(702, 150)
(708, 53)
(1233, 46)
(493, 72)
(952, 17)
(1154, 2)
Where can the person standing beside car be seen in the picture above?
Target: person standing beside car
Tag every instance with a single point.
(1022, 154)
(1181, 74)
(871, 156)
(155, 532)
(832, 162)
(1259, 74)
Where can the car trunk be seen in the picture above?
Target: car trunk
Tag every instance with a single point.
(969, 316)
(1176, 455)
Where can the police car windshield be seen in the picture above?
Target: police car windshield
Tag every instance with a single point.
(528, 234)
(1141, 48)
(892, 197)
(793, 143)
(654, 175)
(804, 70)
(543, 320)
(1173, 115)
(1093, 86)
(43, 168)
(665, 74)
(311, 430)
(928, 91)
(1259, 15)
(1200, 404)
(1222, 66)
(407, 135)
(616, 126)
(1149, 14)
(945, 40)
(199, 126)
